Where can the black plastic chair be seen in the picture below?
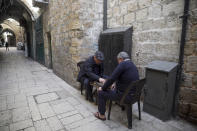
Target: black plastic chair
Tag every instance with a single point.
(135, 98)
(79, 66)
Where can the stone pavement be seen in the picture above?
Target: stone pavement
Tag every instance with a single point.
(33, 98)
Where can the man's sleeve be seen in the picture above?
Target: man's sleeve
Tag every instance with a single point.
(89, 72)
(116, 73)
(102, 70)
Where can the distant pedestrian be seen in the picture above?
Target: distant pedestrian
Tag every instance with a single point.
(7, 46)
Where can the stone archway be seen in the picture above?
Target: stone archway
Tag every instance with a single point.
(11, 38)
(23, 12)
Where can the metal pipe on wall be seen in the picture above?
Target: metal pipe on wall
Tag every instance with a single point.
(181, 56)
(104, 15)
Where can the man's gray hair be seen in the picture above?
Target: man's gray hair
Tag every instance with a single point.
(123, 55)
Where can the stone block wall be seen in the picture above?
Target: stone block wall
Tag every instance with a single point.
(157, 27)
(157, 35)
(188, 92)
(74, 26)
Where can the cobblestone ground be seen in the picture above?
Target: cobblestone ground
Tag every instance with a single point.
(32, 98)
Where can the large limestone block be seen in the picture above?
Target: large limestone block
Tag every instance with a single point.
(76, 42)
(73, 50)
(192, 63)
(129, 18)
(144, 3)
(116, 11)
(74, 25)
(132, 6)
(112, 3)
(155, 11)
(193, 111)
(187, 80)
(123, 9)
(188, 95)
(173, 8)
(194, 33)
(142, 14)
(189, 48)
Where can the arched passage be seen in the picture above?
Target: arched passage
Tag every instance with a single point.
(11, 37)
(21, 11)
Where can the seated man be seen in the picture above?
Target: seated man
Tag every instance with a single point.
(92, 70)
(123, 75)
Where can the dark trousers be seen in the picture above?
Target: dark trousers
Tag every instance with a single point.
(7, 48)
(88, 87)
(113, 95)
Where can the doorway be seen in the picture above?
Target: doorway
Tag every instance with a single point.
(113, 41)
(50, 50)
(39, 41)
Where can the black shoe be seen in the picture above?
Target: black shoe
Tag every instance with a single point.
(86, 95)
(123, 108)
(91, 99)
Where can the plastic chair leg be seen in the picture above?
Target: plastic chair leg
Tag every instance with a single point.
(81, 89)
(110, 105)
(129, 116)
(139, 110)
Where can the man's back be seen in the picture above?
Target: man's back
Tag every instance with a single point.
(128, 74)
(125, 73)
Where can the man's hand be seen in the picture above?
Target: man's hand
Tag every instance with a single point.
(102, 80)
(99, 89)
(113, 86)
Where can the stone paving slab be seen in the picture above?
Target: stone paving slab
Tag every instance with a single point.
(93, 126)
(61, 107)
(71, 119)
(3, 104)
(21, 125)
(46, 110)
(4, 128)
(21, 114)
(5, 117)
(46, 97)
(30, 129)
(42, 126)
(55, 123)
(33, 109)
(33, 98)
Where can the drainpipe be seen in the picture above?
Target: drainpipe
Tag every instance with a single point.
(181, 56)
(104, 15)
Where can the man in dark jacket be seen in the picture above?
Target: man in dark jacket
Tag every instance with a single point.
(92, 70)
(123, 75)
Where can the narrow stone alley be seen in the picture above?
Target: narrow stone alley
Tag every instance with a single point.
(33, 98)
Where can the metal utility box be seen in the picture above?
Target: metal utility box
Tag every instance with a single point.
(113, 41)
(159, 89)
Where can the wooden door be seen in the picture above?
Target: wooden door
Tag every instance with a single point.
(39, 41)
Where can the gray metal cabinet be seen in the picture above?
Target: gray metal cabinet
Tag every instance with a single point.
(159, 89)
